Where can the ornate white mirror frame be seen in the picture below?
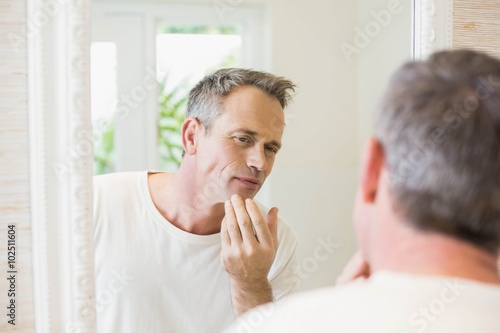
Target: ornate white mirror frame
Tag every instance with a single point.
(46, 201)
(47, 80)
(61, 165)
(432, 26)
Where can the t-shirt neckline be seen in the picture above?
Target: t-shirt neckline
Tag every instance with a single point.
(163, 222)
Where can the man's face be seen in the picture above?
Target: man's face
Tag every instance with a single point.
(237, 154)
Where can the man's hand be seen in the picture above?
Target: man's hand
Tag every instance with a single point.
(249, 244)
(356, 268)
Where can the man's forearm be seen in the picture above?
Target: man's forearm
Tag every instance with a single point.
(246, 296)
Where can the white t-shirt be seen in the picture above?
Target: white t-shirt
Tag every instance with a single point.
(386, 303)
(153, 277)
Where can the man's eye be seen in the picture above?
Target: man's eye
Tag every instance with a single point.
(242, 139)
(272, 149)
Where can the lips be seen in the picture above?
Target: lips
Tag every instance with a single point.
(249, 182)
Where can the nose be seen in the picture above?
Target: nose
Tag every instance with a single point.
(257, 159)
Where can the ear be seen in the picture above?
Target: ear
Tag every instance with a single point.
(371, 170)
(191, 129)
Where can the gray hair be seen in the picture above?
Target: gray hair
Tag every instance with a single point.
(206, 98)
(439, 126)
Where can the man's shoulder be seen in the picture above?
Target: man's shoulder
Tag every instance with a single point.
(117, 177)
(117, 181)
(399, 292)
(390, 300)
(118, 187)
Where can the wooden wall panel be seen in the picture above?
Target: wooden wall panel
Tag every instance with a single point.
(14, 170)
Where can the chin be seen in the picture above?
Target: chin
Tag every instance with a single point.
(247, 196)
(244, 194)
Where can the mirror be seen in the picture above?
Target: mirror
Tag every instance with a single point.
(348, 60)
(340, 53)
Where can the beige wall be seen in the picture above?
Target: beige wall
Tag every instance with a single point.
(386, 52)
(315, 179)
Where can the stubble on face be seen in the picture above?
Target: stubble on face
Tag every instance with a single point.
(251, 120)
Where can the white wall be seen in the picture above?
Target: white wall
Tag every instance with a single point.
(314, 179)
(386, 52)
(314, 182)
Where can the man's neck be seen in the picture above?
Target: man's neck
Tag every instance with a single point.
(416, 252)
(183, 204)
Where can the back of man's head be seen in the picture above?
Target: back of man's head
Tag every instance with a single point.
(439, 126)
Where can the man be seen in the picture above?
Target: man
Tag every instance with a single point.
(427, 213)
(160, 237)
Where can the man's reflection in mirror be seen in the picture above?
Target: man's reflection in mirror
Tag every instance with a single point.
(189, 251)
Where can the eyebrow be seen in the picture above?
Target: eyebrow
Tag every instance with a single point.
(255, 134)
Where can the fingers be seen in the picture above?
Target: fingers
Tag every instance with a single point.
(272, 223)
(259, 223)
(244, 221)
(356, 268)
(231, 224)
(225, 239)
(251, 250)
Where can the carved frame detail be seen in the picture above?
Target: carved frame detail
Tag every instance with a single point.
(58, 41)
(432, 26)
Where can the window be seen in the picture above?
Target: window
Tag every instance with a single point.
(104, 97)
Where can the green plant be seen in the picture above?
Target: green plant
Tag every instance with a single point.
(172, 103)
(104, 144)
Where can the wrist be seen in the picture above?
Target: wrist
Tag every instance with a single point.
(250, 284)
(249, 294)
